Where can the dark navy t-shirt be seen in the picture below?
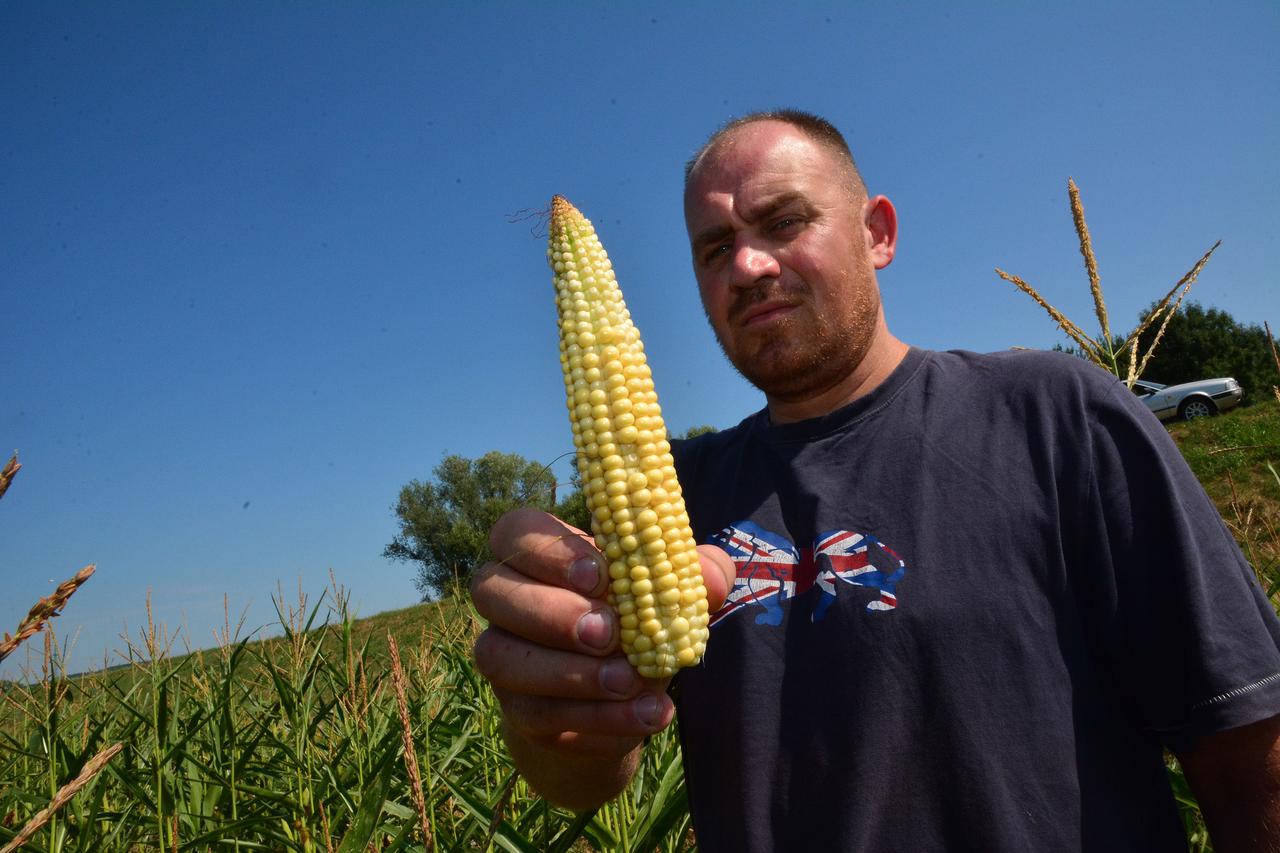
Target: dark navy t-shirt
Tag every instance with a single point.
(972, 609)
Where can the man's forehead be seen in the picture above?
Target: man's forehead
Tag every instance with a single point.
(748, 199)
(747, 171)
(754, 148)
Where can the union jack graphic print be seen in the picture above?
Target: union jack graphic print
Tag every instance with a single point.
(766, 564)
(845, 556)
(772, 570)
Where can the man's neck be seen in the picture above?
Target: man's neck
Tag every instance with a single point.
(885, 355)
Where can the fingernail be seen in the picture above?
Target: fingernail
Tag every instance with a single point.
(617, 676)
(584, 574)
(649, 710)
(595, 630)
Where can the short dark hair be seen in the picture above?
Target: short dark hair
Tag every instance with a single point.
(813, 126)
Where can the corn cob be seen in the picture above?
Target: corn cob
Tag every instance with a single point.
(628, 474)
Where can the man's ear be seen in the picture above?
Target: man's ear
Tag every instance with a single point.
(882, 230)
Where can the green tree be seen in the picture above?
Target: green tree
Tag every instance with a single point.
(444, 523)
(1202, 343)
(695, 431)
(572, 508)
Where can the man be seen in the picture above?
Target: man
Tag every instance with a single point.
(967, 600)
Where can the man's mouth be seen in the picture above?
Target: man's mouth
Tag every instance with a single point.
(765, 312)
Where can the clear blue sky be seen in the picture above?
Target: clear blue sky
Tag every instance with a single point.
(257, 269)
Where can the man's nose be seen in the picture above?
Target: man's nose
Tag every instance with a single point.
(751, 263)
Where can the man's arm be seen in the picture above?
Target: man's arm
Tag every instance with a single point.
(574, 712)
(1235, 774)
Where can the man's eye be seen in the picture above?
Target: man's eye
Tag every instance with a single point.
(786, 223)
(715, 252)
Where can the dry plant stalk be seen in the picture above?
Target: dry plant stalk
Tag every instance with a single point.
(156, 641)
(1243, 519)
(10, 469)
(1090, 262)
(91, 769)
(410, 754)
(503, 796)
(44, 610)
(1072, 330)
(1275, 355)
(1103, 350)
(1185, 283)
(324, 824)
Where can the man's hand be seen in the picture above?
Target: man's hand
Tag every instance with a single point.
(574, 711)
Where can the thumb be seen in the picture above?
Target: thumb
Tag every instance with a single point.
(718, 573)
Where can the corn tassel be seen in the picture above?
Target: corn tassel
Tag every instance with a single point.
(628, 474)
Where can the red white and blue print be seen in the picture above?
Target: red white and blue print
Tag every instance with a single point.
(771, 570)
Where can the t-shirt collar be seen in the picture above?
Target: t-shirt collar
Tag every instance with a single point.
(864, 406)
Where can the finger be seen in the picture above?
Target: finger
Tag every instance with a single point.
(588, 746)
(540, 717)
(543, 547)
(544, 615)
(718, 573)
(518, 666)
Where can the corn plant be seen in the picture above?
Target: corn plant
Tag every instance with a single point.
(1116, 355)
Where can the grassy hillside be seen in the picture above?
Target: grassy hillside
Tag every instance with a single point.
(1236, 457)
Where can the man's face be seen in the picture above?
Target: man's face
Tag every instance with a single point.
(782, 254)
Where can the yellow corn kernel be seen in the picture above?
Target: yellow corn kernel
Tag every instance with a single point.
(637, 509)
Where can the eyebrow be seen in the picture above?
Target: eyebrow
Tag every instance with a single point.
(766, 208)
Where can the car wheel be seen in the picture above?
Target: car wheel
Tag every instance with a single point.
(1197, 407)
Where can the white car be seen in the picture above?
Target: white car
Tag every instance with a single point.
(1190, 399)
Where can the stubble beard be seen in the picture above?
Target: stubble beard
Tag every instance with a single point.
(805, 353)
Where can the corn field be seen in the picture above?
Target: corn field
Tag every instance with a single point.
(298, 744)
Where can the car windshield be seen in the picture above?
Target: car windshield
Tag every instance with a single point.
(1144, 389)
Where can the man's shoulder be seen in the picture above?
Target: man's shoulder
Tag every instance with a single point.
(1058, 396)
(1023, 372)
(1019, 363)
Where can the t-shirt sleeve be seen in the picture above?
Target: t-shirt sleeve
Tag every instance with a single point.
(1186, 632)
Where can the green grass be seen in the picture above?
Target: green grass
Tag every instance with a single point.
(1239, 442)
(1236, 457)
